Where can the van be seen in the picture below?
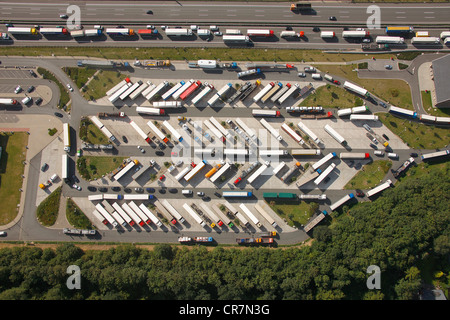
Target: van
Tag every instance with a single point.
(316, 76)
(203, 32)
(392, 155)
(328, 77)
(170, 169)
(194, 27)
(378, 153)
(186, 192)
(26, 100)
(53, 177)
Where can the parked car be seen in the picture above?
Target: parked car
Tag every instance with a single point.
(141, 149)
(373, 146)
(162, 177)
(44, 167)
(200, 194)
(30, 89)
(359, 194)
(140, 190)
(218, 33)
(385, 136)
(18, 89)
(180, 118)
(381, 103)
(91, 188)
(116, 189)
(217, 194)
(150, 190)
(59, 115)
(76, 187)
(150, 27)
(173, 190)
(336, 82)
(301, 74)
(414, 154)
(103, 189)
(38, 101)
(3, 233)
(32, 72)
(388, 66)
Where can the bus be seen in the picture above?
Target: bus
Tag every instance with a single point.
(66, 139)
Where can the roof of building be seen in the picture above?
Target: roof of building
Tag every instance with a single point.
(441, 70)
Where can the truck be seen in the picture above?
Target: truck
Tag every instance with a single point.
(271, 129)
(254, 240)
(99, 217)
(195, 170)
(140, 131)
(138, 197)
(321, 162)
(113, 98)
(264, 91)
(260, 33)
(153, 63)
(291, 34)
(182, 173)
(147, 32)
(336, 136)
(327, 34)
(137, 219)
(176, 136)
(399, 30)
(119, 32)
(54, 31)
(116, 87)
(374, 46)
(7, 102)
(247, 130)
(247, 73)
(150, 111)
(106, 215)
(290, 172)
(309, 133)
(172, 90)
(66, 137)
(206, 89)
(271, 92)
(158, 132)
(172, 211)
(214, 130)
(218, 95)
(219, 127)
(194, 86)
(182, 89)
(389, 40)
(379, 188)
(236, 39)
(167, 104)
(425, 40)
(280, 92)
(149, 96)
(125, 170)
(127, 92)
(212, 215)
(403, 167)
(220, 172)
(354, 155)
(288, 93)
(265, 113)
(93, 32)
(315, 221)
(324, 174)
(237, 194)
(312, 196)
(278, 168)
(194, 215)
(365, 117)
(249, 214)
(356, 89)
(355, 34)
(292, 133)
(403, 112)
(269, 218)
(195, 239)
(301, 6)
(305, 152)
(249, 90)
(178, 32)
(435, 155)
(77, 33)
(257, 173)
(341, 201)
(22, 30)
(123, 214)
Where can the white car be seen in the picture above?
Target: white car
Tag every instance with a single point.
(218, 33)
(63, 16)
(69, 87)
(367, 40)
(2, 233)
(140, 148)
(76, 187)
(301, 74)
(150, 27)
(200, 194)
(18, 89)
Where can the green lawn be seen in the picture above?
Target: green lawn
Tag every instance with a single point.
(415, 134)
(397, 92)
(79, 75)
(295, 213)
(370, 175)
(101, 83)
(428, 106)
(330, 96)
(92, 168)
(76, 217)
(90, 133)
(11, 171)
(47, 211)
(64, 94)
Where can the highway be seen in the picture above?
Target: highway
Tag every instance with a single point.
(223, 13)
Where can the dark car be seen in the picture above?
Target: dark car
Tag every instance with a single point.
(149, 12)
(102, 189)
(32, 73)
(159, 153)
(337, 82)
(288, 28)
(327, 179)
(91, 188)
(206, 198)
(44, 167)
(173, 190)
(217, 194)
(115, 189)
(127, 190)
(59, 115)
(30, 89)
(413, 154)
(38, 101)
(125, 140)
(373, 146)
(385, 136)
(382, 104)
(150, 190)
(332, 18)
(316, 29)
(359, 194)
(162, 191)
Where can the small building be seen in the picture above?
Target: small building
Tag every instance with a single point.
(441, 70)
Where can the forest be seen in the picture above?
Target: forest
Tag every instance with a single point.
(396, 232)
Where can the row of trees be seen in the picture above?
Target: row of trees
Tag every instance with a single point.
(395, 232)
